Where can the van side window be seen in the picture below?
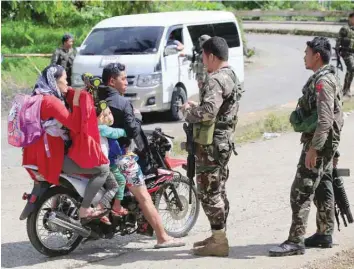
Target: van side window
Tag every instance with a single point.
(226, 30)
(175, 35)
(229, 32)
(196, 31)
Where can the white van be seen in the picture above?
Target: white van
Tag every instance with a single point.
(157, 80)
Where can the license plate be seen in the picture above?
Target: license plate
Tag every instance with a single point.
(109, 59)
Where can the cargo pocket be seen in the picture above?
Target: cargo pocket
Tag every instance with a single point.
(222, 147)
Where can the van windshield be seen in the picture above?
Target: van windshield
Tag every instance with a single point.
(123, 40)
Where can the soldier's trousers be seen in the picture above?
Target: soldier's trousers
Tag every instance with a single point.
(349, 62)
(211, 179)
(312, 185)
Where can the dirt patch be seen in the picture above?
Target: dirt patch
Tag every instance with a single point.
(342, 260)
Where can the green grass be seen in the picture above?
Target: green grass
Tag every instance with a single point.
(20, 73)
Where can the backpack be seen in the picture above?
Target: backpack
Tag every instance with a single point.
(24, 125)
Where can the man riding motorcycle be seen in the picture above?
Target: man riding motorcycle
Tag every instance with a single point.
(115, 84)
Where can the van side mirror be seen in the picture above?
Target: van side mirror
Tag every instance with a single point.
(170, 50)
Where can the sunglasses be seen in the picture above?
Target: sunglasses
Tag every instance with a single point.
(118, 66)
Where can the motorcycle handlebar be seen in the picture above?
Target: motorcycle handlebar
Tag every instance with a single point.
(162, 134)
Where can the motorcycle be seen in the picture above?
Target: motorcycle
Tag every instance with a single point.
(53, 225)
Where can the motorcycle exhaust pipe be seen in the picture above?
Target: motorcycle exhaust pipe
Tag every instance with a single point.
(68, 224)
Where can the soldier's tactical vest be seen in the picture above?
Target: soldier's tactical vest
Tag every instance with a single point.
(346, 39)
(226, 119)
(66, 59)
(304, 118)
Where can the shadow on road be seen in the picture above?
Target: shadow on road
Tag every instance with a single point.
(19, 254)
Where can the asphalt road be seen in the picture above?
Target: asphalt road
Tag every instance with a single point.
(258, 189)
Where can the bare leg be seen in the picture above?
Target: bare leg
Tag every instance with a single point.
(150, 212)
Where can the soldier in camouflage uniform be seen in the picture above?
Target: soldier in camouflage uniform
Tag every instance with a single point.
(196, 58)
(219, 102)
(345, 45)
(322, 94)
(65, 55)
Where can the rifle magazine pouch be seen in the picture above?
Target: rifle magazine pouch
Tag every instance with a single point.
(203, 132)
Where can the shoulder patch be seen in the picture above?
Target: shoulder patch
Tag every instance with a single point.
(319, 87)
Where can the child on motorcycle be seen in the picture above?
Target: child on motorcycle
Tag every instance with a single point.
(111, 148)
(127, 163)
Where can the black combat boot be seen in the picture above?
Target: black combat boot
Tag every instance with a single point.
(287, 248)
(319, 241)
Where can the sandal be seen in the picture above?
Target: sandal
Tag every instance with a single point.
(91, 217)
(173, 243)
(105, 220)
(120, 213)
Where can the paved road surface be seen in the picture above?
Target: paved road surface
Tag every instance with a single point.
(259, 218)
(312, 26)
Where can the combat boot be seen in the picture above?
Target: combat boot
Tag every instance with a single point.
(217, 245)
(202, 243)
(319, 240)
(287, 248)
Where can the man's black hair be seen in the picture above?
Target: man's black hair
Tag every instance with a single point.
(351, 15)
(322, 46)
(66, 37)
(217, 46)
(112, 70)
(124, 142)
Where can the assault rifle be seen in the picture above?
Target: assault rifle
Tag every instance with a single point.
(189, 145)
(339, 62)
(342, 206)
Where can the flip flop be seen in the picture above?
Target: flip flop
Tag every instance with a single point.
(105, 220)
(122, 212)
(174, 243)
(88, 219)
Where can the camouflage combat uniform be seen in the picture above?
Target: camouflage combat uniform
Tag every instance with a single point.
(345, 44)
(65, 58)
(321, 93)
(197, 66)
(219, 101)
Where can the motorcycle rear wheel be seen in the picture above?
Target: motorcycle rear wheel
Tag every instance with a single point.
(33, 221)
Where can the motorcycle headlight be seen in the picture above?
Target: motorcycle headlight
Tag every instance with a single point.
(149, 80)
(77, 81)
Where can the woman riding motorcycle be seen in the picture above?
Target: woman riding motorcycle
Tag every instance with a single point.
(48, 152)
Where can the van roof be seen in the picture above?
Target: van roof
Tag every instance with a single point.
(165, 18)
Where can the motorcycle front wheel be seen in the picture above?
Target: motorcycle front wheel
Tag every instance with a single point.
(177, 223)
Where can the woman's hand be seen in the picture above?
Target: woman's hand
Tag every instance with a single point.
(76, 97)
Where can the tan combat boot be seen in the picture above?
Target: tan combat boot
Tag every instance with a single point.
(217, 245)
(202, 243)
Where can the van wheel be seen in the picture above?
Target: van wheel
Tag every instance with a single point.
(179, 97)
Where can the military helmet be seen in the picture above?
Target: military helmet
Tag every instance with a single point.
(202, 39)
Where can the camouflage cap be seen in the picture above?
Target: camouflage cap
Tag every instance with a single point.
(202, 39)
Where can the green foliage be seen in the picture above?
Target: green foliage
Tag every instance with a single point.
(20, 73)
(18, 37)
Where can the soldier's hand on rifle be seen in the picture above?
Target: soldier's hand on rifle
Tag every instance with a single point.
(185, 106)
(192, 103)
